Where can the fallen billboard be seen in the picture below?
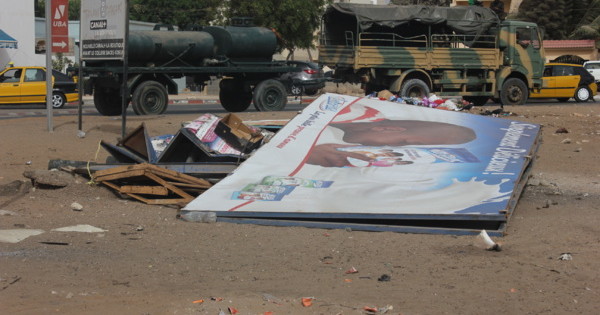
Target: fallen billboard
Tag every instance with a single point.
(367, 164)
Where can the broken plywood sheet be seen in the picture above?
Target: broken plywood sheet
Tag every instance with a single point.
(152, 184)
(374, 164)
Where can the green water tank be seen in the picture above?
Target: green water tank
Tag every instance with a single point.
(158, 48)
(243, 43)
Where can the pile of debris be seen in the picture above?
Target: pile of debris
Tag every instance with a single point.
(174, 169)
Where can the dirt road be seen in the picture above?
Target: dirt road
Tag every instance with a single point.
(148, 262)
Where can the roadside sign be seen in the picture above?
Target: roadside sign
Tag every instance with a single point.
(60, 25)
(103, 25)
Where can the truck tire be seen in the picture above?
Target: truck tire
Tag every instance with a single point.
(269, 95)
(107, 101)
(232, 95)
(477, 100)
(414, 88)
(582, 94)
(514, 92)
(150, 98)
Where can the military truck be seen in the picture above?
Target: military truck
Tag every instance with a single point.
(241, 56)
(416, 50)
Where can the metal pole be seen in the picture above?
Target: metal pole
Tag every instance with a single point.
(80, 86)
(125, 89)
(49, 64)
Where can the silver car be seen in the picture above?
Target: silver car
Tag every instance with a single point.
(306, 82)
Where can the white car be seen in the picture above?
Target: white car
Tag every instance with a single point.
(594, 68)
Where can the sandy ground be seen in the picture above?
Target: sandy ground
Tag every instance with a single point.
(149, 262)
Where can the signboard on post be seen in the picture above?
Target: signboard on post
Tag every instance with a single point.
(103, 26)
(60, 26)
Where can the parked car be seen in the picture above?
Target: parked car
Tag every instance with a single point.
(308, 81)
(593, 67)
(27, 85)
(563, 81)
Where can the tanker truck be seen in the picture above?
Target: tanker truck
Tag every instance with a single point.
(240, 55)
(416, 50)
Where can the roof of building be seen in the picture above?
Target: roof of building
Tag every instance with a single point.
(580, 43)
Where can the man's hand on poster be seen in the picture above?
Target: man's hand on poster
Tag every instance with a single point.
(328, 155)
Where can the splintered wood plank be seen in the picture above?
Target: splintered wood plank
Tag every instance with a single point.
(145, 190)
(172, 188)
(176, 176)
(118, 175)
(170, 201)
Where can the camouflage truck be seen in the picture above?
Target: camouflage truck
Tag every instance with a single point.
(416, 50)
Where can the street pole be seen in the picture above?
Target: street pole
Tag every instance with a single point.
(49, 64)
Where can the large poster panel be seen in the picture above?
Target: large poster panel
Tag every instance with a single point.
(353, 157)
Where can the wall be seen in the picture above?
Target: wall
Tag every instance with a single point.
(17, 19)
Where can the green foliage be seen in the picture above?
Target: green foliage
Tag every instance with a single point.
(295, 21)
(588, 27)
(74, 9)
(549, 14)
(182, 13)
(60, 62)
(563, 19)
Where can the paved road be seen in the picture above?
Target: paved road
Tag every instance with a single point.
(175, 107)
(196, 106)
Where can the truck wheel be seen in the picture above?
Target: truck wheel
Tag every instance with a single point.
(58, 100)
(514, 92)
(107, 101)
(582, 94)
(477, 100)
(232, 95)
(269, 95)
(414, 88)
(150, 98)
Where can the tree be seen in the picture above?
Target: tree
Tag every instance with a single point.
(74, 9)
(294, 21)
(588, 27)
(548, 14)
(182, 13)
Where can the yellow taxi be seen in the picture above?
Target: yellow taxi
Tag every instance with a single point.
(27, 85)
(563, 81)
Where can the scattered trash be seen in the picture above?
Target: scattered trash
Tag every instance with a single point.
(307, 301)
(15, 236)
(80, 134)
(198, 216)
(28, 163)
(76, 206)
(198, 301)
(271, 298)
(232, 310)
(351, 270)
(433, 101)
(347, 280)
(561, 130)
(513, 290)
(6, 212)
(565, 256)
(5, 283)
(384, 278)
(84, 228)
(487, 242)
(217, 299)
(566, 141)
(371, 309)
(55, 243)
